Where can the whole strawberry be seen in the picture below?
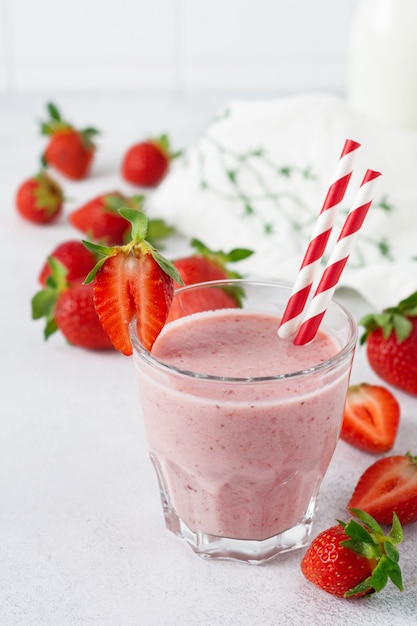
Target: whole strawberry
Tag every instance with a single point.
(206, 265)
(146, 163)
(354, 559)
(391, 343)
(74, 256)
(100, 220)
(39, 199)
(69, 151)
(69, 308)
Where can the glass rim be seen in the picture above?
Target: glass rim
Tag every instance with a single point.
(328, 364)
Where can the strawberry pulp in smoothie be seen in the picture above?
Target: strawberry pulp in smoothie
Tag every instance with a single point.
(241, 426)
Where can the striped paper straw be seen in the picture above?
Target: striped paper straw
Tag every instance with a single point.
(337, 260)
(315, 249)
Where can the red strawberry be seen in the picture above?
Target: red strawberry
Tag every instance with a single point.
(206, 265)
(352, 560)
(391, 338)
(70, 309)
(74, 256)
(371, 418)
(100, 219)
(76, 318)
(389, 486)
(133, 280)
(39, 199)
(70, 151)
(146, 163)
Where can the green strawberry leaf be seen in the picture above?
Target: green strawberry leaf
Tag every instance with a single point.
(50, 327)
(114, 202)
(166, 265)
(396, 534)
(43, 302)
(158, 229)
(90, 276)
(238, 254)
(53, 112)
(368, 520)
(392, 319)
(379, 576)
(139, 222)
(221, 258)
(402, 326)
(363, 587)
(409, 305)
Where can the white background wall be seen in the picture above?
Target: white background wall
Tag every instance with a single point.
(244, 46)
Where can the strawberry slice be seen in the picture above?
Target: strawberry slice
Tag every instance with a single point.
(389, 485)
(371, 418)
(133, 280)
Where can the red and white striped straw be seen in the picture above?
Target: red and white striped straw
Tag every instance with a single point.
(316, 247)
(337, 261)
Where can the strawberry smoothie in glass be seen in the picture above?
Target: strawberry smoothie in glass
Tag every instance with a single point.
(241, 424)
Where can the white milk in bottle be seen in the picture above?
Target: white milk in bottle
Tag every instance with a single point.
(382, 61)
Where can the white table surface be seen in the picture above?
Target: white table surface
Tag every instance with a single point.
(82, 539)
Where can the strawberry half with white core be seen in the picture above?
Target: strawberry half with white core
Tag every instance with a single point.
(133, 280)
(354, 559)
(391, 343)
(371, 418)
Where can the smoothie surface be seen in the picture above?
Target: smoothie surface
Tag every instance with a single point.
(237, 343)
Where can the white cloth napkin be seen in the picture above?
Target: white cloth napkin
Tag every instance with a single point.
(257, 178)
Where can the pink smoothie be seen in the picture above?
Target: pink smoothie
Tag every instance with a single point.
(241, 459)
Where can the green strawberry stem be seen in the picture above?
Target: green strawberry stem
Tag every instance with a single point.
(368, 540)
(138, 244)
(392, 319)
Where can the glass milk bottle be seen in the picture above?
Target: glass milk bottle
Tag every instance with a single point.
(382, 61)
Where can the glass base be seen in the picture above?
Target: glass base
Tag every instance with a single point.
(250, 551)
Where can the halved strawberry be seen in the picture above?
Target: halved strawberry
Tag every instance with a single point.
(371, 418)
(133, 280)
(389, 486)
